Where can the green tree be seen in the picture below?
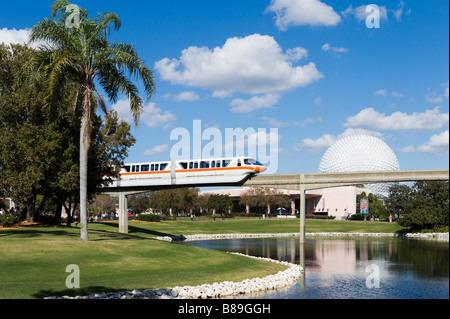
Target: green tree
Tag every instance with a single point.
(139, 203)
(29, 140)
(429, 206)
(398, 199)
(81, 58)
(376, 206)
(264, 198)
(220, 203)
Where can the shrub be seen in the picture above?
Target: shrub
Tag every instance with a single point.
(149, 217)
(320, 217)
(359, 217)
(10, 219)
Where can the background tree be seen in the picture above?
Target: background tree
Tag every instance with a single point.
(398, 199)
(29, 139)
(220, 203)
(264, 199)
(377, 207)
(139, 203)
(429, 207)
(82, 57)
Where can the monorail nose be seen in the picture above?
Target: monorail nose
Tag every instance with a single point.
(260, 169)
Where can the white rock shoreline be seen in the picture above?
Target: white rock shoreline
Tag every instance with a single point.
(282, 279)
(429, 236)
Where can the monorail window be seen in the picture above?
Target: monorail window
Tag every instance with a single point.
(238, 162)
(204, 164)
(213, 164)
(156, 167)
(145, 168)
(127, 168)
(137, 168)
(162, 167)
(225, 163)
(193, 165)
(184, 165)
(218, 163)
(153, 168)
(133, 168)
(250, 161)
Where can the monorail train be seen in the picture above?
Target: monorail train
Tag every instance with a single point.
(188, 172)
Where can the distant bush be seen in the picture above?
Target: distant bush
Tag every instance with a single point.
(149, 217)
(320, 217)
(10, 219)
(359, 217)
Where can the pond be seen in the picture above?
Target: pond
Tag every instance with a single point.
(357, 268)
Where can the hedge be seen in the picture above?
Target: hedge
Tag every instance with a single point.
(149, 217)
(10, 219)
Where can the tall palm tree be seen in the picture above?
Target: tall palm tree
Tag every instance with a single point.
(81, 57)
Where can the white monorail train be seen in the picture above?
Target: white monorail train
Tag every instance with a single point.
(188, 172)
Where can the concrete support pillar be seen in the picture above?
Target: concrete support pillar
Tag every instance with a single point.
(123, 213)
(302, 210)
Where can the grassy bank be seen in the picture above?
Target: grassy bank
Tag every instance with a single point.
(33, 260)
(254, 226)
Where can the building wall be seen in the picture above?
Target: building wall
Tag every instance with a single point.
(338, 201)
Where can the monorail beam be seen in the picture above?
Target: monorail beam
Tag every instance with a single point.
(328, 180)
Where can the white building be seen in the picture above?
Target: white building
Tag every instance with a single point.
(338, 202)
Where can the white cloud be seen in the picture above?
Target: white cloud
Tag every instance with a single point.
(399, 12)
(274, 122)
(318, 102)
(186, 96)
(360, 12)
(397, 94)
(438, 144)
(382, 92)
(254, 103)
(157, 149)
(438, 95)
(17, 36)
(151, 115)
(296, 54)
(373, 120)
(302, 12)
(315, 146)
(328, 47)
(255, 64)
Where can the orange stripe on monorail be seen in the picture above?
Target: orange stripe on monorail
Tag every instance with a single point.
(194, 170)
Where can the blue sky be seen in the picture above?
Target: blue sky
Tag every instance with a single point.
(312, 69)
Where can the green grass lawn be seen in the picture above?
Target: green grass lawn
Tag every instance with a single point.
(33, 260)
(254, 226)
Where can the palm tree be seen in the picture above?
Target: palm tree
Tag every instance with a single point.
(79, 58)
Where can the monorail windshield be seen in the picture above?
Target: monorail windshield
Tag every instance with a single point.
(250, 161)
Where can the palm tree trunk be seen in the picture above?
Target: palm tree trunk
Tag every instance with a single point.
(84, 146)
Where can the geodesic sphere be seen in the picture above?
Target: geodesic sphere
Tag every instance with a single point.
(360, 153)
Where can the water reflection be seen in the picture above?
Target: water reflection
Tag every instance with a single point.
(337, 268)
